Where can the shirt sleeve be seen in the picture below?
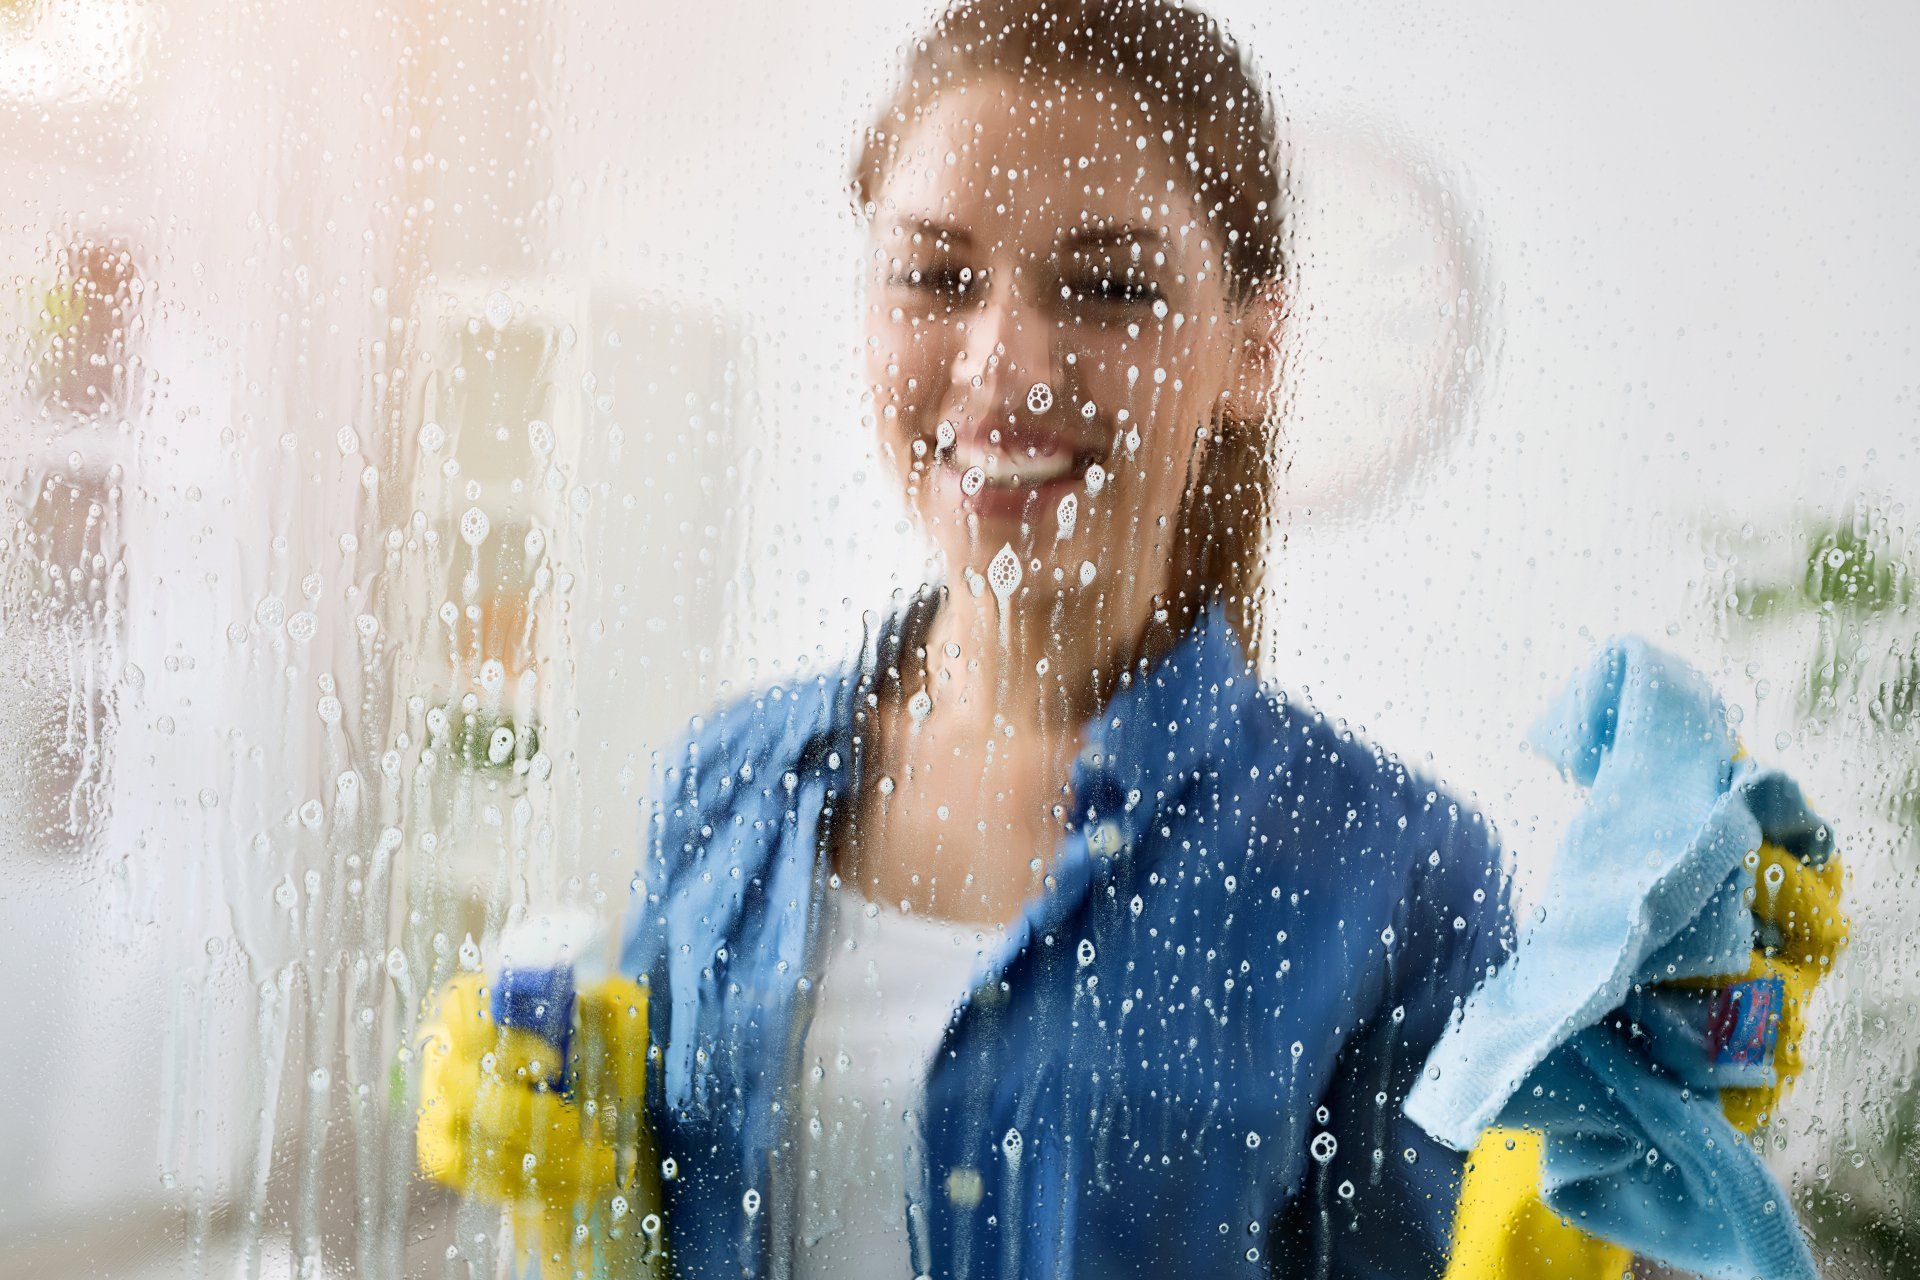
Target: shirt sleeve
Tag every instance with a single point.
(1380, 1195)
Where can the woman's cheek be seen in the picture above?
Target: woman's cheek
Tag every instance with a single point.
(910, 368)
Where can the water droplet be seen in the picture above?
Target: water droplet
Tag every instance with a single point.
(500, 746)
(1003, 573)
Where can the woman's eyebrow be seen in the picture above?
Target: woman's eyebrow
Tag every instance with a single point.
(939, 232)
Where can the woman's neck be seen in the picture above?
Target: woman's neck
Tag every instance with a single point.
(1035, 664)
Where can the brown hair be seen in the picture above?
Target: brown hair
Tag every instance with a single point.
(1190, 77)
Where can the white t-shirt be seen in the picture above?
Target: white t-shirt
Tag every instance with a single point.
(888, 984)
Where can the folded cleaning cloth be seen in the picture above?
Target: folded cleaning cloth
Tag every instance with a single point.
(1573, 1038)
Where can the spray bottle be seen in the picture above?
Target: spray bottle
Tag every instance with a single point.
(548, 962)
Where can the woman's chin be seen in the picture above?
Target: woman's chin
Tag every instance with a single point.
(1001, 537)
(1017, 559)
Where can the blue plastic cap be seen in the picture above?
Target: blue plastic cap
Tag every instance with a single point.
(539, 1001)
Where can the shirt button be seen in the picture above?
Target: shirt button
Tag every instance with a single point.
(1106, 839)
(964, 1187)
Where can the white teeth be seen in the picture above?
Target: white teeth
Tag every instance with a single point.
(1006, 467)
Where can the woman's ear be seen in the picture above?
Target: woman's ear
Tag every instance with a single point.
(1260, 323)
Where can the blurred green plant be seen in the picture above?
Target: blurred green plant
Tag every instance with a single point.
(484, 740)
(1855, 583)
(1848, 587)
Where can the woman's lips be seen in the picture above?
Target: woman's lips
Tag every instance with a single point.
(1012, 466)
(1002, 478)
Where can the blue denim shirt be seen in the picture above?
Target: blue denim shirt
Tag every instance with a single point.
(1187, 1057)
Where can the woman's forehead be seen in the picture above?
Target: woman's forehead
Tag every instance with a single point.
(1026, 162)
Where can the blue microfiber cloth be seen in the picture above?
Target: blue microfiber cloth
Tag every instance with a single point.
(1571, 1038)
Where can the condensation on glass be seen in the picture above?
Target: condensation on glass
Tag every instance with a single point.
(414, 413)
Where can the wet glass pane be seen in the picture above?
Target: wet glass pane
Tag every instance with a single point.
(877, 641)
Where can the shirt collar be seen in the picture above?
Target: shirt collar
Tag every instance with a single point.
(1167, 723)
(1171, 720)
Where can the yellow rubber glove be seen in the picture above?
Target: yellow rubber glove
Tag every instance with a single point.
(1803, 930)
(1502, 1228)
(576, 1170)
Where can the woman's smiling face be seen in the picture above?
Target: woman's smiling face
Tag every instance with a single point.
(1049, 331)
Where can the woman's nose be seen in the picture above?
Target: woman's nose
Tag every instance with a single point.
(1009, 348)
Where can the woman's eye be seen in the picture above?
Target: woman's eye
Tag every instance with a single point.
(947, 282)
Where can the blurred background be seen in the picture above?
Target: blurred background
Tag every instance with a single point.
(413, 412)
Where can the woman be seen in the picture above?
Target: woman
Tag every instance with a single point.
(1043, 940)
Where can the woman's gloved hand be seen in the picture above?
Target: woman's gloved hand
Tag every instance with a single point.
(1759, 1017)
(576, 1167)
(1504, 1231)
(1655, 1003)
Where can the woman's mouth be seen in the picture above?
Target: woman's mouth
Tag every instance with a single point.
(998, 476)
